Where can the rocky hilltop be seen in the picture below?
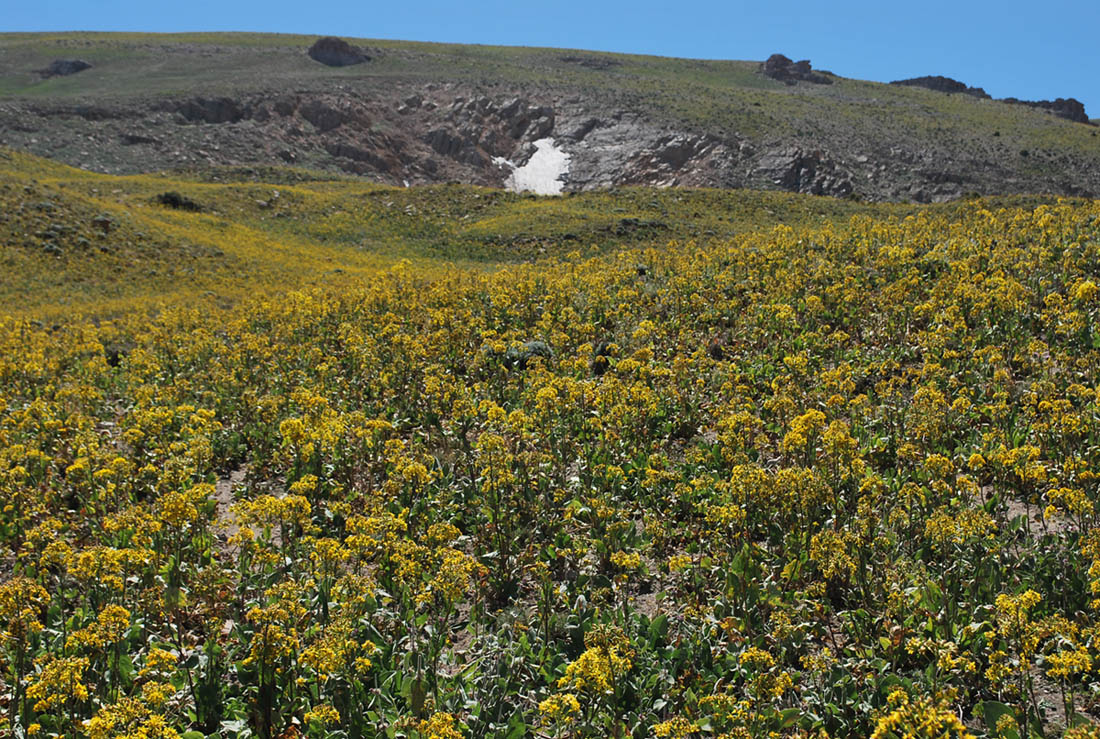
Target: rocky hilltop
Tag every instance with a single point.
(404, 113)
(1069, 108)
(939, 83)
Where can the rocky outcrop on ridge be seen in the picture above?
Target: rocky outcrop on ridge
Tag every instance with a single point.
(940, 83)
(779, 67)
(1069, 108)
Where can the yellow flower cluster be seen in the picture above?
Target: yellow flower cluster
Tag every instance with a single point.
(59, 682)
(128, 719)
(918, 718)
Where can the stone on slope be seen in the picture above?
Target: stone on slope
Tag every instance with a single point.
(65, 67)
(335, 52)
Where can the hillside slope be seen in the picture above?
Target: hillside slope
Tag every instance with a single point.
(75, 242)
(78, 244)
(432, 113)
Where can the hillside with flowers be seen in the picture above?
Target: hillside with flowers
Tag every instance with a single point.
(452, 462)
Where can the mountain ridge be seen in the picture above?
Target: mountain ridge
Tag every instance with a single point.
(420, 113)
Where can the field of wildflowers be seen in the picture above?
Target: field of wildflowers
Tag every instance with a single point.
(832, 480)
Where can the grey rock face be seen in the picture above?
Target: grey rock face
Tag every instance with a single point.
(476, 130)
(810, 172)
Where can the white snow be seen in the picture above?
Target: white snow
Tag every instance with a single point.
(543, 172)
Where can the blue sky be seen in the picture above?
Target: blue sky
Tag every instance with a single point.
(1026, 50)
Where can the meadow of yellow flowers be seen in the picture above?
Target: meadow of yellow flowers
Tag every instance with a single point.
(805, 482)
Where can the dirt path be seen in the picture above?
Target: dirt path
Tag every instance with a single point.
(225, 522)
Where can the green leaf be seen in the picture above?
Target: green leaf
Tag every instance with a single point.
(419, 693)
(658, 629)
(517, 728)
(992, 711)
(126, 668)
(790, 717)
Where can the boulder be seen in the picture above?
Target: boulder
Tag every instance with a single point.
(65, 67)
(335, 52)
(132, 139)
(519, 357)
(779, 67)
(176, 201)
(601, 358)
(627, 226)
(103, 222)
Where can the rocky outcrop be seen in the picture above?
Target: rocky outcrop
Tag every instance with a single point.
(1069, 108)
(65, 67)
(678, 159)
(372, 156)
(475, 131)
(811, 172)
(211, 110)
(419, 133)
(599, 63)
(779, 67)
(940, 83)
(326, 116)
(335, 52)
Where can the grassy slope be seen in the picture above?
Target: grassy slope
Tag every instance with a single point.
(57, 262)
(719, 96)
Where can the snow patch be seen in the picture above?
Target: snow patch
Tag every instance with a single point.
(543, 172)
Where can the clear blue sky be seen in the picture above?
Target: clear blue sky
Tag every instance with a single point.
(1035, 50)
